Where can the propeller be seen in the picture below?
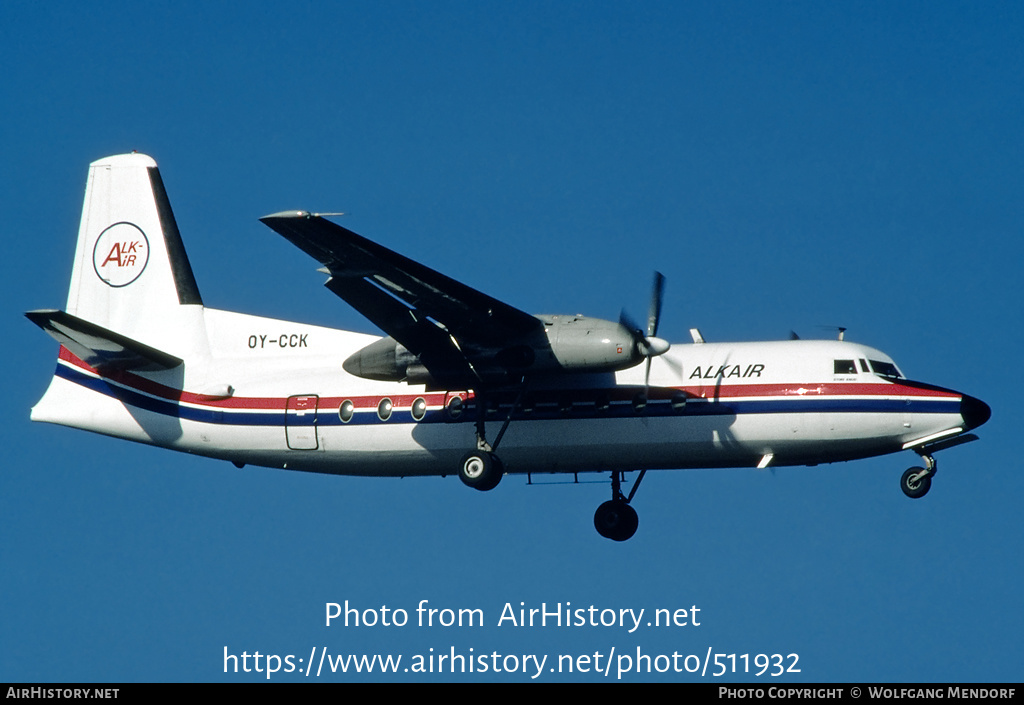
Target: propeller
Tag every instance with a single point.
(648, 344)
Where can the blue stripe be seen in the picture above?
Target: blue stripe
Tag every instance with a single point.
(656, 408)
(166, 407)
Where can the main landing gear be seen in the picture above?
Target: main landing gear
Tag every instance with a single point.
(482, 470)
(916, 482)
(616, 519)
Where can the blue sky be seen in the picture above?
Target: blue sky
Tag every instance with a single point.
(786, 165)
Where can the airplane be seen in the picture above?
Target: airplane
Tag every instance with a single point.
(461, 383)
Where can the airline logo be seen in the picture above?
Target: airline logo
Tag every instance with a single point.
(120, 254)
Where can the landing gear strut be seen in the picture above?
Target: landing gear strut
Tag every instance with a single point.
(916, 482)
(616, 519)
(481, 469)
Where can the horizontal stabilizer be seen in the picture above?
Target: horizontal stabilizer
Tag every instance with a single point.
(101, 348)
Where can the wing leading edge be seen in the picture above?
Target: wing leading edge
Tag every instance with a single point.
(453, 329)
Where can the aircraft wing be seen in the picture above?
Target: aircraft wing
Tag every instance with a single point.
(420, 308)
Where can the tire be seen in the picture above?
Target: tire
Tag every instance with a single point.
(481, 470)
(616, 520)
(914, 487)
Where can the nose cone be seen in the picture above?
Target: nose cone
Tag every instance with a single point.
(974, 411)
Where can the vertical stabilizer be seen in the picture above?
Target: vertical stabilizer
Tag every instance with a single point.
(131, 274)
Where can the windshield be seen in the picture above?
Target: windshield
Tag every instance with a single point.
(885, 369)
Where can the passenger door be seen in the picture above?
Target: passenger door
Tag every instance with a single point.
(300, 422)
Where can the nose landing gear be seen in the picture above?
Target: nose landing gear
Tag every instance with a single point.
(916, 482)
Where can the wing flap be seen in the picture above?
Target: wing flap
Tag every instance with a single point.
(428, 341)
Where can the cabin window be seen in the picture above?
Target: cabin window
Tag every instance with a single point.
(346, 411)
(845, 367)
(384, 409)
(419, 408)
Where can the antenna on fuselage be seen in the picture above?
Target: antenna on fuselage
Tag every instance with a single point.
(841, 335)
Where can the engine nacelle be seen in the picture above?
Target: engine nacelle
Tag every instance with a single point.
(583, 344)
(388, 360)
(382, 359)
(568, 344)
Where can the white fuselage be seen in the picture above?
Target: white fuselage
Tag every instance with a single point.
(273, 393)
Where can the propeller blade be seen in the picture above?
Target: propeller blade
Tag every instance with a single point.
(647, 380)
(648, 345)
(654, 313)
(675, 365)
(627, 322)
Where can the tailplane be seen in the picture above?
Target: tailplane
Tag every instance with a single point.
(100, 348)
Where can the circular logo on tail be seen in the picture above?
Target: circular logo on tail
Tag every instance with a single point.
(120, 254)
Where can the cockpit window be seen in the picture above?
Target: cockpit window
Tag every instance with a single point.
(845, 367)
(886, 369)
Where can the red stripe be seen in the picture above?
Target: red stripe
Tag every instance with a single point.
(723, 391)
(853, 389)
(162, 391)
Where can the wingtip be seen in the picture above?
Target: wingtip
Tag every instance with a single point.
(285, 214)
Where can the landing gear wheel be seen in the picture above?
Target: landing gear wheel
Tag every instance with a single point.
(913, 485)
(481, 470)
(616, 520)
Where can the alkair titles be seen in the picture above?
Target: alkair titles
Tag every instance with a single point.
(564, 615)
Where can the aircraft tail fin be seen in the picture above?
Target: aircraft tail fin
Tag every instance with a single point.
(131, 276)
